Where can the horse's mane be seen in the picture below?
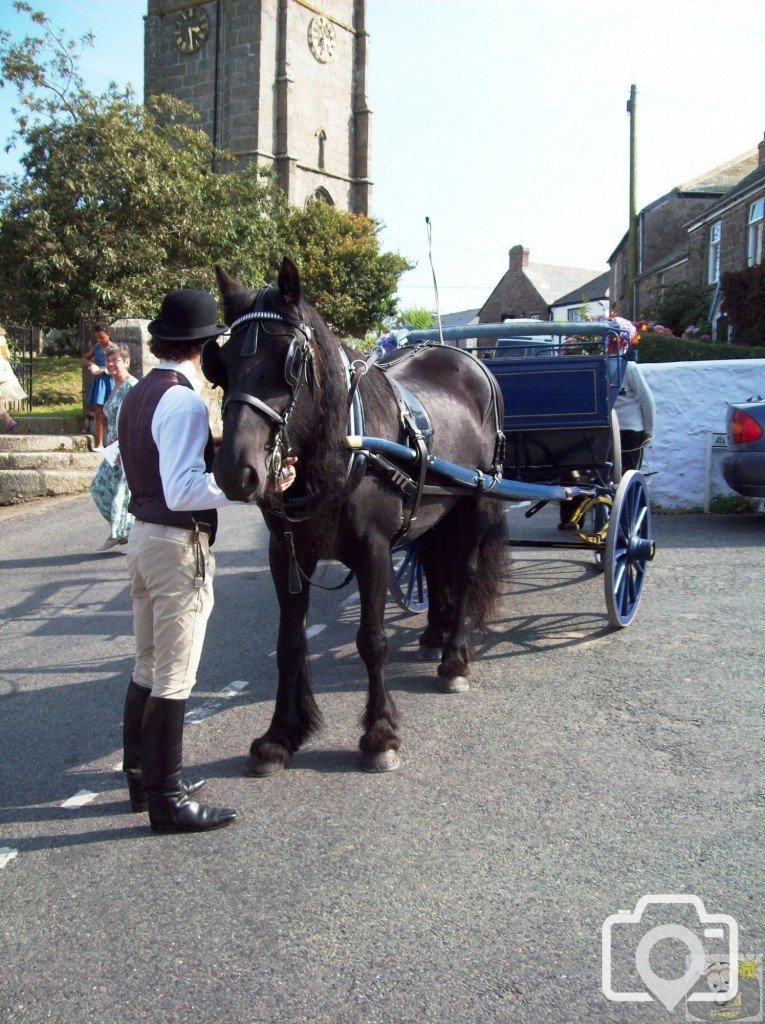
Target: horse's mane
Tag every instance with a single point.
(323, 465)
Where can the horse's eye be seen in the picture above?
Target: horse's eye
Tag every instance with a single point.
(213, 366)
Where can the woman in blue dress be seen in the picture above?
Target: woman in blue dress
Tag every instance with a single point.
(94, 362)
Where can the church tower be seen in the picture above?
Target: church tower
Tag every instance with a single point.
(278, 82)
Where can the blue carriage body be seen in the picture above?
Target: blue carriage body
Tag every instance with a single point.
(558, 393)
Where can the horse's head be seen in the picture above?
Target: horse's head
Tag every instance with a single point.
(262, 368)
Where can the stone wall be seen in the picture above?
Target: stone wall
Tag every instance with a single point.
(134, 334)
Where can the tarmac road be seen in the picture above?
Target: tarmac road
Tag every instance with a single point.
(584, 768)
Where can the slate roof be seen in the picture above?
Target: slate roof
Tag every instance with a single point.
(551, 281)
(597, 288)
(726, 176)
(461, 319)
(754, 178)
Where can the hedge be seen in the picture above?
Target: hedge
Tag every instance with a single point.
(660, 348)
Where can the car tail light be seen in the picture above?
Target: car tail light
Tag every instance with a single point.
(744, 428)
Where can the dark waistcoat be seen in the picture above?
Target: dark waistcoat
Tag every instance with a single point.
(140, 455)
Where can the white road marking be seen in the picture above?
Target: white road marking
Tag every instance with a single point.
(349, 599)
(211, 706)
(80, 798)
(7, 854)
(311, 631)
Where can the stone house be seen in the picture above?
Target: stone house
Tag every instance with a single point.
(663, 240)
(729, 235)
(543, 291)
(587, 302)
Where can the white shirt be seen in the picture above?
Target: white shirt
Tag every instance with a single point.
(180, 428)
(635, 409)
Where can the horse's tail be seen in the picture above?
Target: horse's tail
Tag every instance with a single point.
(485, 585)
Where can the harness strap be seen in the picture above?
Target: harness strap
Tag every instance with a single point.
(256, 403)
(358, 368)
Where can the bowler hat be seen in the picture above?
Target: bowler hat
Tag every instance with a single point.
(187, 314)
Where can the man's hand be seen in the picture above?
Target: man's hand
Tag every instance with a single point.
(287, 475)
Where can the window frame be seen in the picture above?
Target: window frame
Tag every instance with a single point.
(715, 246)
(755, 230)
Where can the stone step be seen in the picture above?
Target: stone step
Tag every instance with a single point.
(17, 442)
(39, 466)
(49, 424)
(83, 461)
(17, 485)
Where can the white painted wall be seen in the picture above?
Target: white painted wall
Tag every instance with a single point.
(593, 309)
(690, 402)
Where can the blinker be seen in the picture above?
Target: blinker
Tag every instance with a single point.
(250, 344)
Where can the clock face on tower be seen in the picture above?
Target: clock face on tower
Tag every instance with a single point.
(191, 29)
(321, 38)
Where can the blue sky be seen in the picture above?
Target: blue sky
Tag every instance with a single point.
(504, 121)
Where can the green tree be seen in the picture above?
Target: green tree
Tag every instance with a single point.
(344, 274)
(118, 202)
(417, 317)
(681, 305)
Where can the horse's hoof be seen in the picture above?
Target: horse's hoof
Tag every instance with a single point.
(257, 768)
(429, 653)
(453, 684)
(380, 761)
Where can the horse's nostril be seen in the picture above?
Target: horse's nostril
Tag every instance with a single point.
(239, 483)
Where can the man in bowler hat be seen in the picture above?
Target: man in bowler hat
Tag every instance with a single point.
(167, 451)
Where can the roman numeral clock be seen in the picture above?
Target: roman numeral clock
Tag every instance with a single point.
(191, 29)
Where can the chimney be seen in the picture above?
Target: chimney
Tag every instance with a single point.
(519, 257)
(761, 150)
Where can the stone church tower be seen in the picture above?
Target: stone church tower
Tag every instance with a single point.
(280, 82)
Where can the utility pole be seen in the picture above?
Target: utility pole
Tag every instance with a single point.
(632, 241)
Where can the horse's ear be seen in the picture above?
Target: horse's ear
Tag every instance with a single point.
(289, 282)
(235, 297)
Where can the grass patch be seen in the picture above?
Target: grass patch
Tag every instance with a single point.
(56, 385)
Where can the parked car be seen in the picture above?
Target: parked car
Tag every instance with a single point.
(744, 467)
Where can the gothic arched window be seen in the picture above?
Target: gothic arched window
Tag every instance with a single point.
(322, 196)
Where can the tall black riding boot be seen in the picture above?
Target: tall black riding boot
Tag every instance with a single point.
(170, 809)
(132, 727)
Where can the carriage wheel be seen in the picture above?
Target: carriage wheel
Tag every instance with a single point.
(629, 548)
(406, 581)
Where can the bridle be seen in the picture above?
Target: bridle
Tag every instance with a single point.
(298, 370)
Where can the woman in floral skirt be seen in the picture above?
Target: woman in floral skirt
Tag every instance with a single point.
(109, 488)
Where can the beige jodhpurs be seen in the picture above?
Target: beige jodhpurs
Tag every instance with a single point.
(170, 613)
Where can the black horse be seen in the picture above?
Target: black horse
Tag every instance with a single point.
(286, 389)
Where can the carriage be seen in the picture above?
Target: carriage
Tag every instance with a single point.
(559, 382)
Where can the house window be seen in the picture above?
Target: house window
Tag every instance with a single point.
(756, 220)
(575, 315)
(715, 234)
